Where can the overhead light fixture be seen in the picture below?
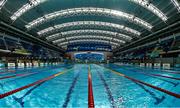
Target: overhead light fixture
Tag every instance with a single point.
(88, 40)
(88, 37)
(176, 4)
(31, 4)
(146, 4)
(64, 43)
(2, 3)
(90, 11)
(59, 40)
(45, 30)
(51, 37)
(89, 23)
(86, 32)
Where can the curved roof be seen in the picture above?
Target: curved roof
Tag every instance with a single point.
(93, 24)
(115, 22)
(89, 11)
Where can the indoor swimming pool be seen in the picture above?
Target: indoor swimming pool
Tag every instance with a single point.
(66, 85)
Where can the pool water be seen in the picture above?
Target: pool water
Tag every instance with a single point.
(70, 89)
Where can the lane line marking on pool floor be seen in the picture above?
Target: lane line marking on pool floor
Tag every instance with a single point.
(141, 82)
(157, 75)
(160, 70)
(33, 84)
(90, 90)
(70, 91)
(108, 91)
(33, 73)
(7, 72)
(165, 71)
(20, 100)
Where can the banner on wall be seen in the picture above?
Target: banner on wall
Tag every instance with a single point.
(45, 64)
(142, 64)
(148, 64)
(2, 65)
(41, 64)
(21, 65)
(157, 65)
(21, 51)
(36, 64)
(11, 65)
(166, 66)
(28, 64)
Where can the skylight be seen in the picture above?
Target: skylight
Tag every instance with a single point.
(90, 11)
(31, 4)
(94, 23)
(146, 4)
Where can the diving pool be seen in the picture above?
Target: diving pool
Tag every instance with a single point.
(67, 86)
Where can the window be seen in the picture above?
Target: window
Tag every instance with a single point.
(92, 11)
(25, 8)
(176, 4)
(146, 4)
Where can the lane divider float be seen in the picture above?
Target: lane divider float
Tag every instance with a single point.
(18, 75)
(157, 75)
(9, 71)
(33, 84)
(162, 76)
(149, 85)
(90, 90)
(168, 71)
(163, 71)
(108, 91)
(70, 91)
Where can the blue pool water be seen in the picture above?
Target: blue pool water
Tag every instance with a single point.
(71, 89)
